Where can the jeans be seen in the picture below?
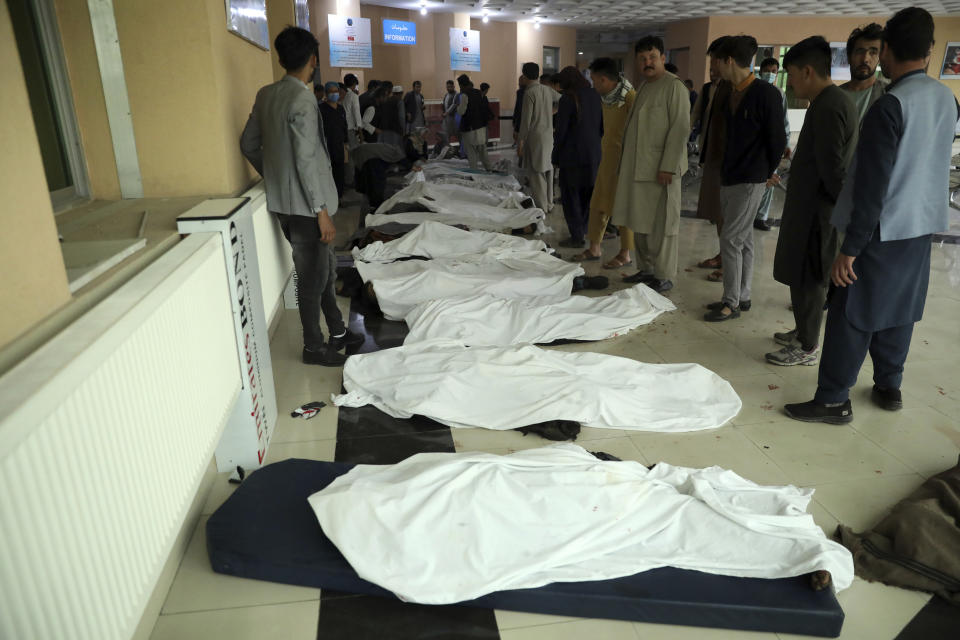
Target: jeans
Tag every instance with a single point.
(316, 268)
(739, 206)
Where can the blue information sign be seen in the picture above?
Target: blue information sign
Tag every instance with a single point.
(399, 32)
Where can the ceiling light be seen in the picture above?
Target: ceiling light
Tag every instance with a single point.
(579, 53)
(486, 17)
(536, 23)
(423, 11)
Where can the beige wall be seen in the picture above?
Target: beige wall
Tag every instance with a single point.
(34, 282)
(498, 50)
(530, 44)
(73, 19)
(280, 13)
(780, 30)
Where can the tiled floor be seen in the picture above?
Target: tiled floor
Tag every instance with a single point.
(859, 470)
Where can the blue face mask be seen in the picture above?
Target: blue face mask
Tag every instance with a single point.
(333, 97)
(769, 77)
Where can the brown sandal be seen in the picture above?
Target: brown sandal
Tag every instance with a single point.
(710, 263)
(616, 262)
(716, 276)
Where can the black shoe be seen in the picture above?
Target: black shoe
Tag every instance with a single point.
(762, 225)
(815, 412)
(887, 399)
(326, 357)
(659, 285)
(349, 339)
(571, 243)
(640, 276)
(716, 306)
(590, 282)
(717, 315)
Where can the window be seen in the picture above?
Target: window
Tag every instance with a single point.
(44, 70)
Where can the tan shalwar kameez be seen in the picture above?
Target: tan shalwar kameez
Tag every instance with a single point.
(601, 204)
(655, 140)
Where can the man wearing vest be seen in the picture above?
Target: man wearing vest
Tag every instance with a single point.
(893, 200)
(473, 123)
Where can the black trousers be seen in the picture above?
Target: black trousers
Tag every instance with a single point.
(845, 347)
(316, 268)
(337, 169)
(576, 189)
(807, 300)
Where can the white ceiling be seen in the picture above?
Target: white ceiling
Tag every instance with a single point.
(653, 13)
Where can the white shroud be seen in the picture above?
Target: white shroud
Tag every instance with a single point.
(438, 240)
(509, 387)
(505, 273)
(451, 193)
(485, 320)
(470, 214)
(440, 528)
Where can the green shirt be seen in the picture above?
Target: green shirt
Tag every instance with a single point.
(862, 100)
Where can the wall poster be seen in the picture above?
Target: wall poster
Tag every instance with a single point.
(951, 62)
(248, 19)
(464, 50)
(350, 44)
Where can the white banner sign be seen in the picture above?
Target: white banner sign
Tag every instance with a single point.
(464, 50)
(247, 434)
(350, 43)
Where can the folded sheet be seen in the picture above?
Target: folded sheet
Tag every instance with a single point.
(485, 320)
(509, 387)
(400, 286)
(440, 528)
(438, 240)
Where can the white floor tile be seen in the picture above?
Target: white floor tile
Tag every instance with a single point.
(292, 621)
(197, 588)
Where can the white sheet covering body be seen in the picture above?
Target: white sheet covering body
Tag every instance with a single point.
(558, 514)
(459, 172)
(400, 286)
(438, 240)
(485, 320)
(509, 387)
(476, 216)
(451, 193)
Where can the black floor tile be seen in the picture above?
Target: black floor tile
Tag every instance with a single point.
(393, 449)
(938, 620)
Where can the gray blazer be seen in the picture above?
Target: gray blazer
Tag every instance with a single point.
(284, 142)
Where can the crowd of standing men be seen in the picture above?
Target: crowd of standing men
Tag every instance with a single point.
(867, 185)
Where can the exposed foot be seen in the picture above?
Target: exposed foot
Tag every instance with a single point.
(710, 263)
(585, 256)
(820, 580)
(716, 276)
(724, 313)
(617, 261)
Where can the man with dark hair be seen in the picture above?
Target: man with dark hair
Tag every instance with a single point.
(617, 96)
(688, 83)
(863, 54)
(893, 201)
(755, 141)
(333, 120)
(769, 69)
(351, 105)
(671, 68)
(808, 241)
(653, 160)
(473, 123)
(535, 142)
(366, 98)
(413, 108)
(449, 105)
(284, 143)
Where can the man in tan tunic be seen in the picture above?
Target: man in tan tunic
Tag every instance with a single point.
(617, 95)
(654, 159)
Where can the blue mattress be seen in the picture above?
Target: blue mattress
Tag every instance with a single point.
(267, 531)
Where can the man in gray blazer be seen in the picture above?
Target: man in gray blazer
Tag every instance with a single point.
(284, 142)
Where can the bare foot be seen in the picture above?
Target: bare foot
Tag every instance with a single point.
(820, 580)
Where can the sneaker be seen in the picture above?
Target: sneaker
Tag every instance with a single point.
(349, 340)
(793, 355)
(762, 225)
(887, 399)
(326, 357)
(814, 412)
(787, 338)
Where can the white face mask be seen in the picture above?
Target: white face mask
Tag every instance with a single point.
(769, 77)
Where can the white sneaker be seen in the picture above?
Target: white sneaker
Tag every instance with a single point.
(793, 355)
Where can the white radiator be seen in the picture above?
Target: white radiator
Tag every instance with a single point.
(105, 433)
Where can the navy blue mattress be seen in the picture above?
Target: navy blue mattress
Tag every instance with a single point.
(267, 531)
